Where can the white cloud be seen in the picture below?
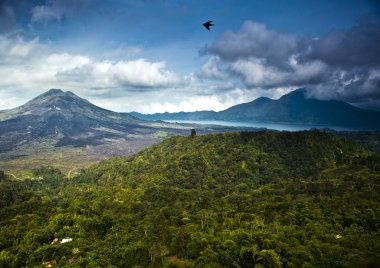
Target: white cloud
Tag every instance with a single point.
(263, 58)
(28, 68)
(13, 49)
(256, 40)
(197, 103)
(137, 74)
(211, 69)
(256, 73)
(142, 73)
(175, 100)
(67, 61)
(32, 65)
(121, 85)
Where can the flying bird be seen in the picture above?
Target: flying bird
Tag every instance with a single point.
(208, 24)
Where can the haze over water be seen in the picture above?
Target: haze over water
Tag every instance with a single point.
(267, 125)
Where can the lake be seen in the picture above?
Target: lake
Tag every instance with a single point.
(267, 125)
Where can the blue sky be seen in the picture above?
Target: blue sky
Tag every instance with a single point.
(155, 56)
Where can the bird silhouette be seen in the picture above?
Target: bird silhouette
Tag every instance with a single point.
(208, 24)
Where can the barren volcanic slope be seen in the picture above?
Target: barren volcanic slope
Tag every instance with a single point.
(64, 117)
(58, 120)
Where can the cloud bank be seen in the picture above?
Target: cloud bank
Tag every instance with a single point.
(29, 67)
(32, 64)
(254, 61)
(343, 64)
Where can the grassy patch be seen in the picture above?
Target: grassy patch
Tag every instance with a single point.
(174, 261)
(68, 159)
(161, 134)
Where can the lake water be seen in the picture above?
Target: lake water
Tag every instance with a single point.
(267, 125)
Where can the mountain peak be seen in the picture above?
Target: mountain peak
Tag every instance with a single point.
(54, 91)
(296, 107)
(262, 100)
(57, 101)
(300, 93)
(54, 97)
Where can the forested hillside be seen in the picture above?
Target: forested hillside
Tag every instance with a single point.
(263, 199)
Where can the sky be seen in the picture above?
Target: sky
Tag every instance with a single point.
(155, 56)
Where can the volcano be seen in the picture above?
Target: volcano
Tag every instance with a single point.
(64, 119)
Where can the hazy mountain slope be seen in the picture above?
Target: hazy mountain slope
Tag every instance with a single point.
(294, 107)
(201, 115)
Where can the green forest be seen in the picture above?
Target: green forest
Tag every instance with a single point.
(248, 199)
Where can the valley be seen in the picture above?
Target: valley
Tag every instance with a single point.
(63, 130)
(81, 186)
(69, 159)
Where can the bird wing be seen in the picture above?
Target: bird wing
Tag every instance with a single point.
(208, 24)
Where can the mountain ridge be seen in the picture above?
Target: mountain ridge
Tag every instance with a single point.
(294, 107)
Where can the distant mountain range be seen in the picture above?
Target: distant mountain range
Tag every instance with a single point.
(63, 118)
(294, 107)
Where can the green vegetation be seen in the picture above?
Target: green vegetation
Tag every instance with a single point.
(368, 139)
(2, 175)
(263, 199)
(161, 134)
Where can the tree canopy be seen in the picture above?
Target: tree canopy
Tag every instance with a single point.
(263, 199)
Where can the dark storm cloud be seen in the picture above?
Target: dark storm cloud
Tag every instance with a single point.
(343, 64)
(352, 85)
(359, 46)
(255, 40)
(353, 56)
